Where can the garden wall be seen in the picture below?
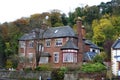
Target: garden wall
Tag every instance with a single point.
(84, 76)
(47, 74)
(28, 75)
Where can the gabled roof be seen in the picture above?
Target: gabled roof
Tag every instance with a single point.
(53, 32)
(92, 45)
(116, 44)
(69, 45)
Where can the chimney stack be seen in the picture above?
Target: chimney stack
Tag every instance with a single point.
(80, 39)
(80, 34)
(83, 32)
(79, 27)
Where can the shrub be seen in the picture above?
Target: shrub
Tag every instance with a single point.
(27, 69)
(9, 64)
(98, 59)
(93, 67)
(58, 74)
(43, 68)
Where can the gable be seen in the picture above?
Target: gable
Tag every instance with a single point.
(116, 45)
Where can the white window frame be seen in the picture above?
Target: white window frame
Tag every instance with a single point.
(58, 42)
(22, 44)
(69, 57)
(21, 57)
(30, 57)
(56, 57)
(31, 44)
(41, 48)
(48, 42)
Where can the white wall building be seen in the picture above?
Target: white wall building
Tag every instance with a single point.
(115, 57)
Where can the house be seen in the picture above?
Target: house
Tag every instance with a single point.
(58, 46)
(115, 57)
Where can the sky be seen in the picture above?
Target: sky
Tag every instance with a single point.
(10, 10)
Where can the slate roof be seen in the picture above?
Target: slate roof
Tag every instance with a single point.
(69, 45)
(53, 32)
(89, 56)
(92, 45)
(116, 44)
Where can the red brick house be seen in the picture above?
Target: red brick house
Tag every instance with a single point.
(59, 46)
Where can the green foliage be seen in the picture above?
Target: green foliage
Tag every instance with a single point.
(98, 59)
(93, 67)
(55, 18)
(2, 52)
(43, 68)
(27, 79)
(58, 74)
(9, 64)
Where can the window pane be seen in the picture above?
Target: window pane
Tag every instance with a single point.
(30, 57)
(31, 44)
(43, 60)
(48, 43)
(58, 42)
(56, 57)
(68, 57)
(22, 44)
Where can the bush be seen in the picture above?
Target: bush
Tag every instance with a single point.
(9, 64)
(98, 59)
(58, 74)
(93, 67)
(27, 69)
(43, 68)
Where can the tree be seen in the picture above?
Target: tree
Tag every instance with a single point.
(116, 7)
(22, 24)
(36, 20)
(64, 19)
(102, 31)
(55, 18)
(2, 47)
(71, 19)
(39, 43)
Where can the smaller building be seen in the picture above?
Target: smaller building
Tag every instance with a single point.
(115, 57)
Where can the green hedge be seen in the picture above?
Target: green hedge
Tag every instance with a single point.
(93, 67)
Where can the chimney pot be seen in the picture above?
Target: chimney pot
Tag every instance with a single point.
(79, 18)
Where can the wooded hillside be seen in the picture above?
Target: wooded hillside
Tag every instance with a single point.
(102, 23)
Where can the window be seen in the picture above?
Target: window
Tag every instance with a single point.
(58, 42)
(69, 57)
(56, 57)
(30, 57)
(22, 44)
(41, 48)
(21, 57)
(43, 60)
(31, 44)
(48, 42)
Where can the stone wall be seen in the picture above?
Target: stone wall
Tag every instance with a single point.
(28, 75)
(47, 74)
(84, 76)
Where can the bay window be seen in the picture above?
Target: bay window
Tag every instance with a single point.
(69, 57)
